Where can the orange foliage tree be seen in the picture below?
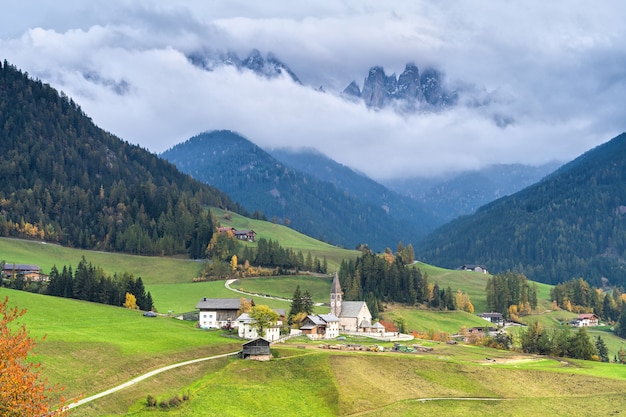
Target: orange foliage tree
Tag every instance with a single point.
(23, 391)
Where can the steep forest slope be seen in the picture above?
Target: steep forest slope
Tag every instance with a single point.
(571, 224)
(65, 180)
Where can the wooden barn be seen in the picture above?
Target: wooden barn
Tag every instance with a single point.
(257, 349)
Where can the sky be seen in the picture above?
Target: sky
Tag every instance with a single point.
(556, 71)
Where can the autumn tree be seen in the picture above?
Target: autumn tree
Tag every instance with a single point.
(23, 391)
(264, 317)
(245, 305)
(131, 301)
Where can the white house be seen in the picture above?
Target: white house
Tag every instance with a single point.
(584, 320)
(320, 326)
(246, 329)
(216, 313)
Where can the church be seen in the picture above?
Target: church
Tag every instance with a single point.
(354, 316)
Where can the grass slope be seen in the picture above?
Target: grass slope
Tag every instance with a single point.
(288, 238)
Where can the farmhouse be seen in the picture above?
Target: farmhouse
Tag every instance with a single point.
(249, 235)
(584, 320)
(474, 268)
(27, 271)
(257, 349)
(495, 318)
(246, 329)
(351, 314)
(216, 313)
(320, 326)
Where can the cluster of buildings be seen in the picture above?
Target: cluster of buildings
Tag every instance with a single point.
(344, 317)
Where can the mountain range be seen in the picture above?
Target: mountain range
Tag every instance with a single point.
(362, 213)
(411, 91)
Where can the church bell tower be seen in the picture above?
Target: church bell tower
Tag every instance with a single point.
(335, 297)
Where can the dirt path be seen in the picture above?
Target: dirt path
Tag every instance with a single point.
(145, 376)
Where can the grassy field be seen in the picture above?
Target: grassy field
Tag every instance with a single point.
(474, 284)
(315, 382)
(288, 238)
(318, 287)
(91, 347)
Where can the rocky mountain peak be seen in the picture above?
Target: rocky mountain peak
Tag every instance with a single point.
(410, 88)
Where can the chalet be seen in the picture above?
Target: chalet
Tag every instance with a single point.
(246, 329)
(27, 271)
(320, 326)
(226, 229)
(584, 320)
(216, 313)
(351, 314)
(495, 318)
(249, 235)
(474, 268)
(257, 349)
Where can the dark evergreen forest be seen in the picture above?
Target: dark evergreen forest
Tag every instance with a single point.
(571, 224)
(65, 180)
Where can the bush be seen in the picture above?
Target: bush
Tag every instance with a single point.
(151, 401)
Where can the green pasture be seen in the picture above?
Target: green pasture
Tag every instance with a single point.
(475, 283)
(425, 320)
(316, 382)
(284, 286)
(92, 347)
(152, 270)
(288, 238)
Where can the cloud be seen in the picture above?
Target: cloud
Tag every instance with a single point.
(538, 81)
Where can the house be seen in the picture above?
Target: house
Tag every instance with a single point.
(27, 271)
(216, 313)
(257, 349)
(584, 320)
(246, 329)
(351, 314)
(474, 268)
(495, 318)
(320, 326)
(226, 229)
(249, 235)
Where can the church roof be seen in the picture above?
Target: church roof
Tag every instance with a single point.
(351, 308)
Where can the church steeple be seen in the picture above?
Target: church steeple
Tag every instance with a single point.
(335, 297)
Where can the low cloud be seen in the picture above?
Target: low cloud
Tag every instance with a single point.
(537, 82)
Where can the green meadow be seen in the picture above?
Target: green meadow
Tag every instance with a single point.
(90, 347)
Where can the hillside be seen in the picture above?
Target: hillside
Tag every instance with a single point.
(461, 194)
(67, 181)
(571, 224)
(261, 183)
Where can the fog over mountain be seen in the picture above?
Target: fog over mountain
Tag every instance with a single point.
(530, 82)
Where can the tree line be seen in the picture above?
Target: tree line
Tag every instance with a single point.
(91, 283)
(511, 294)
(386, 278)
(228, 257)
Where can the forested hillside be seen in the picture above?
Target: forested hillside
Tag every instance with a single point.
(259, 182)
(65, 180)
(571, 224)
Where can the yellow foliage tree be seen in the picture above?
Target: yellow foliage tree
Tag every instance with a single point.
(469, 307)
(244, 306)
(131, 301)
(233, 262)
